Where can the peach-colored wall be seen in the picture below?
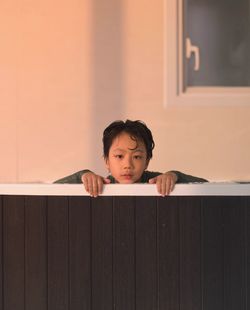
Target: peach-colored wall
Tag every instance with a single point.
(68, 68)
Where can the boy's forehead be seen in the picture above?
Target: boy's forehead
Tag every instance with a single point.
(126, 140)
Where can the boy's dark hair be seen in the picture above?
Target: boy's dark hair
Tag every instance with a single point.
(137, 131)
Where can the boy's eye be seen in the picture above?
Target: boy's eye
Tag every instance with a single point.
(138, 157)
(119, 156)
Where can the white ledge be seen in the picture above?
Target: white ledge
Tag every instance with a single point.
(191, 189)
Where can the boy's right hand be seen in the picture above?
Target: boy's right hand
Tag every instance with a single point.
(93, 183)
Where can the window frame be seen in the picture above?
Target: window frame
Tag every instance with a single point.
(174, 92)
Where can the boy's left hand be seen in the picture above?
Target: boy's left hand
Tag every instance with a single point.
(165, 182)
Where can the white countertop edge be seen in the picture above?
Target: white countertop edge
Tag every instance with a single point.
(191, 189)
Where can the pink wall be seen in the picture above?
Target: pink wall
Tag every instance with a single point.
(68, 68)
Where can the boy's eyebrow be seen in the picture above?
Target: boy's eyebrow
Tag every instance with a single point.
(138, 150)
(134, 150)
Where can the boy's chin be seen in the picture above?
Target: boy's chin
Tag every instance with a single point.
(126, 182)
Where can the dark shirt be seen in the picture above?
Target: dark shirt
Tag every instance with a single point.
(76, 178)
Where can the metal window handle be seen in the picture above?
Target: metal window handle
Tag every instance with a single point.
(193, 49)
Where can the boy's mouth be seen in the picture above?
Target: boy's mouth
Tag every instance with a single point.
(127, 176)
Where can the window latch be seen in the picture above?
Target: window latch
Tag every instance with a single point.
(193, 49)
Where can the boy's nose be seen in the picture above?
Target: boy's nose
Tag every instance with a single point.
(128, 162)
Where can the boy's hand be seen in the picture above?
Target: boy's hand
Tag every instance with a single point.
(93, 183)
(165, 182)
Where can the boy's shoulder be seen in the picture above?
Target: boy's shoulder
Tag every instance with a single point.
(147, 175)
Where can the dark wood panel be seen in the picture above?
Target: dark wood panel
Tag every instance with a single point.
(102, 253)
(185, 253)
(247, 250)
(213, 253)
(224, 253)
(234, 253)
(13, 257)
(80, 253)
(168, 253)
(36, 253)
(190, 253)
(146, 255)
(58, 249)
(124, 253)
(1, 252)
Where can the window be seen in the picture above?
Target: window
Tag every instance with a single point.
(207, 50)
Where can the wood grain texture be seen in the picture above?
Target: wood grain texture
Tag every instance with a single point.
(14, 253)
(102, 253)
(224, 248)
(58, 253)
(168, 233)
(36, 275)
(234, 253)
(247, 251)
(146, 253)
(1, 254)
(190, 253)
(115, 253)
(213, 254)
(124, 253)
(80, 253)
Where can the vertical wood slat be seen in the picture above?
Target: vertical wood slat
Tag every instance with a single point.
(146, 254)
(213, 254)
(1, 253)
(247, 250)
(102, 253)
(58, 249)
(190, 253)
(168, 253)
(124, 253)
(234, 253)
(35, 253)
(224, 253)
(80, 253)
(13, 256)
(224, 268)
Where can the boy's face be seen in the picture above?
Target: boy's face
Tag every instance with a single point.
(127, 159)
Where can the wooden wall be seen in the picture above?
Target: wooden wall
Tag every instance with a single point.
(124, 253)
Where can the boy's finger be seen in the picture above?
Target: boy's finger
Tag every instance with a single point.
(165, 188)
(106, 181)
(92, 187)
(99, 185)
(172, 185)
(85, 183)
(152, 181)
(159, 186)
(168, 186)
(95, 189)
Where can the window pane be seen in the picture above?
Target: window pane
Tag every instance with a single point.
(220, 28)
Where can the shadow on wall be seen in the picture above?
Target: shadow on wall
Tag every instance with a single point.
(107, 71)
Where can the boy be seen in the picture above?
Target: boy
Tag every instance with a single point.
(127, 150)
